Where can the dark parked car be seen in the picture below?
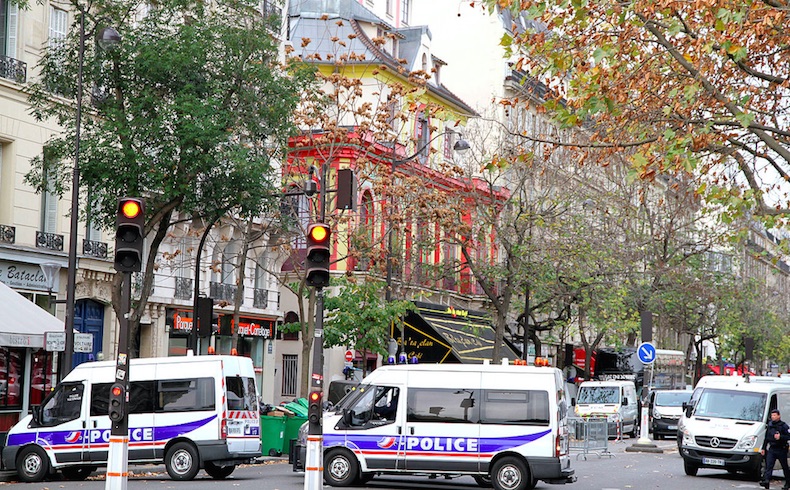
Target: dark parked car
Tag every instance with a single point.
(666, 407)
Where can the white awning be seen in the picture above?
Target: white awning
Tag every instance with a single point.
(23, 322)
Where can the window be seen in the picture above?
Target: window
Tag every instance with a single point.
(42, 379)
(9, 16)
(64, 404)
(58, 25)
(49, 202)
(185, 395)
(388, 7)
(290, 374)
(393, 108)
(12, 369)
(229, 263)
(599, 394)
(241, 393)
(515, 407)
(373, 406)
(729, 404)
(423, 134)
(449, 141)
(404, 11)
(441, 405)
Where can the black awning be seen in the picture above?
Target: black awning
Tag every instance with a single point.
(442, 334)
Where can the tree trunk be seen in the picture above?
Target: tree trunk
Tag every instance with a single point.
(238, 297)
(308, 336)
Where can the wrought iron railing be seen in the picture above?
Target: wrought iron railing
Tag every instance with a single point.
(93, 248)
(50, 241)
(13, 69)
(183, 288)
(7, 234)
(264, 297)
(270, 9)
(221, 291)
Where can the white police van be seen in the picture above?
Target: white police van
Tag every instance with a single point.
(724, 424)
(504, 425)
(189, 412)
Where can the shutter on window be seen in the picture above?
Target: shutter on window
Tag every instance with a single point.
(13, 18)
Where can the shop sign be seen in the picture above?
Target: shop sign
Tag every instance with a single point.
(253, 329)
(24, 276)
(83, 342)
(55, 341)
(182, 323)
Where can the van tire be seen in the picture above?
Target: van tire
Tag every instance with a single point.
(181, 461)
(218, 472)
(511, 473)
(340, 468)
(77, 473)
(32, 464)
(690, 468)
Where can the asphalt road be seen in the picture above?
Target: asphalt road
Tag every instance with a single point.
(620, 471)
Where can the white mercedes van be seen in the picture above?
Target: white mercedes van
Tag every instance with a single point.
(724, 428)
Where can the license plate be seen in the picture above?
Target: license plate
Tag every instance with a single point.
(713, 461)
(673, 427)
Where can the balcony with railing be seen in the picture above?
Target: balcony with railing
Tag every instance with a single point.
(7, 234)
(222, 291)
(270, 9)
(13, 69)
(183, 288)
(49, 241)
(93, 248)
(266, 298)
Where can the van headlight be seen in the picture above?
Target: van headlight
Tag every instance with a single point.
(301, 436)
(747, 443)
(656, 414)
(688, 438)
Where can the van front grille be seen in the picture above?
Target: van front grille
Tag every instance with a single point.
(715, 442)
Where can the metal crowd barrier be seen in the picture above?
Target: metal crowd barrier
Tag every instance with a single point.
(589, 436)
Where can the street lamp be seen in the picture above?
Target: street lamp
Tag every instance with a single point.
(107, 38)
(50, 271)
(460, 145)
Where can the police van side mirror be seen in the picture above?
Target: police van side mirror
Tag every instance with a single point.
(625, 401)
(36, 420)
(573, 402)
(347, 417)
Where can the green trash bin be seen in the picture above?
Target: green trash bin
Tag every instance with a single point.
(292, 425)
(272, 433)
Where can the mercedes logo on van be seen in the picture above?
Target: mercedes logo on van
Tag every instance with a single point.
(714, 442)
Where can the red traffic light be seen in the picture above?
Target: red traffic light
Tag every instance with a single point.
(315, 396)
(131, 208)
(116, 390)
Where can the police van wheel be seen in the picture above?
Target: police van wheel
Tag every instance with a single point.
(510, 473)
(32, 464)
(483, 480)
(340, 468)
(77, 473)
(690, 468)
(181, 462)
(219, 472)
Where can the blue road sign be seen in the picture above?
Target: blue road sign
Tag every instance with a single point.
(646, 352)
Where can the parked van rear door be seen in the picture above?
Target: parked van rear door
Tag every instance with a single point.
(442, 422)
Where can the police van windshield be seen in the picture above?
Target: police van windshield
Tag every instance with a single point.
(599, 394)
(730, 404)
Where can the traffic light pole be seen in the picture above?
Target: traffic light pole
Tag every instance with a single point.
(314, 461)
(118, 458)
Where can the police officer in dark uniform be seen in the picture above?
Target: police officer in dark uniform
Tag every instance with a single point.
(777, 435)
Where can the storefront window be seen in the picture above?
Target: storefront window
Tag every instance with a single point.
(42, 376)
(12, 368)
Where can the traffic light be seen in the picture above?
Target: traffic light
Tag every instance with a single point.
(318, 252)
(130, 231)
(314, 412)
(117, 402)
